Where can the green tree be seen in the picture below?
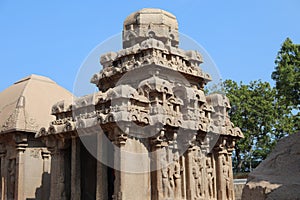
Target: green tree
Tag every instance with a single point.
(264, 113)
(253, 111)
(287, 74)
(287, 80)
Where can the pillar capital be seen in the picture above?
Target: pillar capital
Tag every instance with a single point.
(45, 154)
(21, 147)
(119, 136)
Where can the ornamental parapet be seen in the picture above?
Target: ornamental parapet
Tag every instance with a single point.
(149, 52)
(125, 105)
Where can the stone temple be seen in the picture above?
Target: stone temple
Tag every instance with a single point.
(149, 133)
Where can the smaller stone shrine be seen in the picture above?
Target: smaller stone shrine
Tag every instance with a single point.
(25, 160)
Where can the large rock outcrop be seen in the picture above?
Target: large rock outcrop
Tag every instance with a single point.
(277, 177)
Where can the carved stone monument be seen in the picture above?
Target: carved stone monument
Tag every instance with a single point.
(170, 141)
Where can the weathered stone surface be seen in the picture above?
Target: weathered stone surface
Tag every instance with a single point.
(150, 23)
(277, 177)
(239, 185)
(26, 105)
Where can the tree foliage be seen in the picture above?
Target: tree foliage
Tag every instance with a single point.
(253, 111)
(287, 74)
(287, 78)
(264, 113)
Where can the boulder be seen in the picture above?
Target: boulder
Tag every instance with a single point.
(277, 177)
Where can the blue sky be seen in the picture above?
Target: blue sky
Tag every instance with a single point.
(53, 38)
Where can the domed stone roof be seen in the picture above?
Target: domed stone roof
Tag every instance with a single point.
(150, 23)
(26, 105)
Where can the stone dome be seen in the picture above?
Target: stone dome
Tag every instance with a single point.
(150, 23)
(26, 105)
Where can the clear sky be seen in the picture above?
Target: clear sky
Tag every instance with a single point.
(53, 38)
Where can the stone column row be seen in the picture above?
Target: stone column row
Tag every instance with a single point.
(168, 177)
(205, 175)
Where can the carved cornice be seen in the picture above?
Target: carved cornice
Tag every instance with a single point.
(225, 145)
(185, 62)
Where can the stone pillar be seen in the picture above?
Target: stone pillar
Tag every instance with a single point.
(221, 191)
(159, 176)
(102, 184)
(3, 173)
(75, 170)
(224, 172)
(211, 177)
(190, 183)
(120, 141)
(19, 182)
(46, 174)
(230, 177)
(196, 174)
(57, 175)
(46, 161)
(230, 148)
(177, 170)
(184, 184)
(54, 173)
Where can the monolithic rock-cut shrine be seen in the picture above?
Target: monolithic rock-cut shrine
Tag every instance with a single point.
(149, 133)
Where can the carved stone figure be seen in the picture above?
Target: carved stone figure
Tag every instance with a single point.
(210, 178)
(177, 175)
(226, 174)
(166, 182)
(197, 177)
(198, 171)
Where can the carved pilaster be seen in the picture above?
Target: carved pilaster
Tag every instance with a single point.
(57, 175)
(19, 181)
(46, 173)
(58, 190)
(75, 169)
(120, 138)
(211, 177)
(160, 183)
(102, 179)
(46, 161)
(230, 147)
(189, 172)
(3, 172)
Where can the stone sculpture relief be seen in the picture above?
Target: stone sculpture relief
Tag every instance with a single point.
(171, 173)
(210, 178)
(167, 189)
(226, 173)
